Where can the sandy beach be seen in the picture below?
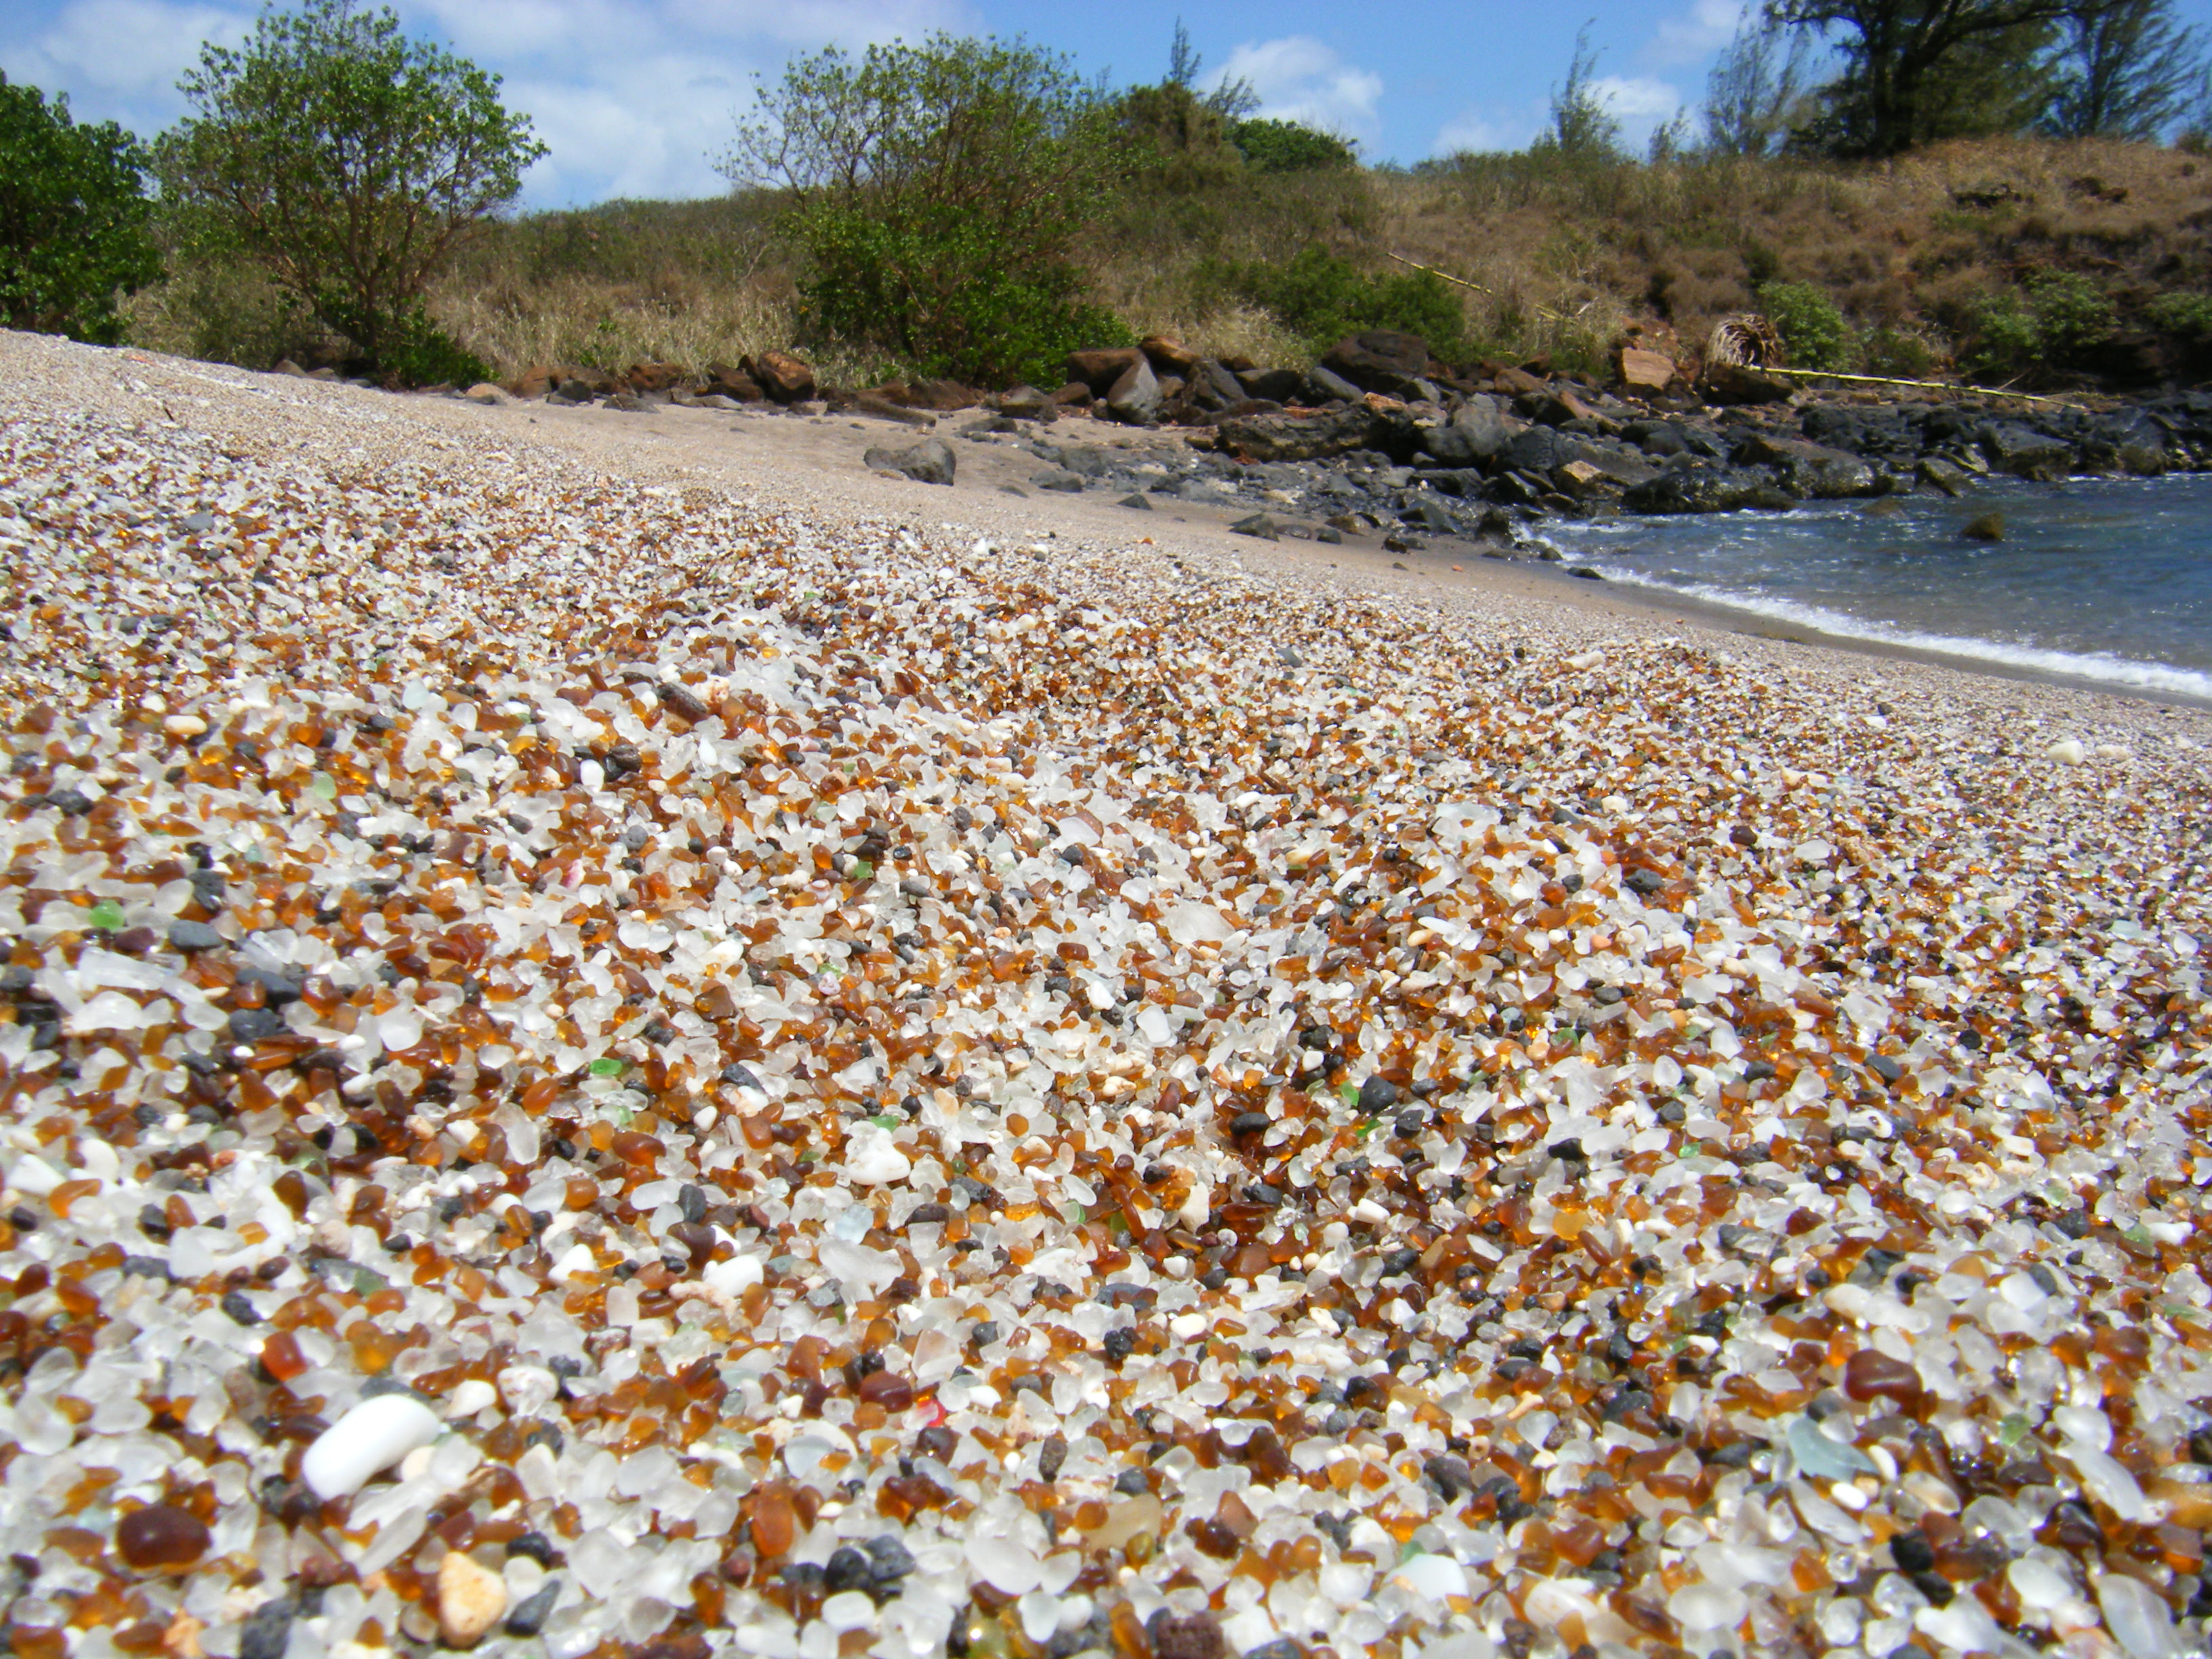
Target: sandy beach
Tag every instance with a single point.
(622, 1036)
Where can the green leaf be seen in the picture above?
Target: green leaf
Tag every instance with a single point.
(106, 916)
(605, 1065)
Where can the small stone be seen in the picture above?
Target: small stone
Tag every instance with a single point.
(530, 1613)
(1137, 501)
(1259, 525)
(371, 1437)
(471, 1600)
(195, 936)
(267, 1631)
(1989, 527)
(161, 1537)
(1378, 1094)
(930, 462)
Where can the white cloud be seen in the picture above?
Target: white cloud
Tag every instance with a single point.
(119, 59)
(1298, 78)
(1480, 130)
(1631, 99)
(1704, 29)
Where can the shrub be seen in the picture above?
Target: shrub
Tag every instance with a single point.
(1900, 353)
(2055, 315)
(936, 192)
(350, 162)
(1810, 325)
(1323, 298)
(73, 219)
(2187, 314)
(1273, 146)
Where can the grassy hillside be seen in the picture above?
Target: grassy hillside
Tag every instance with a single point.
(2085, 261)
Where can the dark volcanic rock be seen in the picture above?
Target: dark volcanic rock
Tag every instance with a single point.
(1380, 360)
(1300, 437)
(931, 462)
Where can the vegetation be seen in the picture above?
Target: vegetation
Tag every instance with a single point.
(935, 192)
(974, 208)
(1812, 331)
(348, 162)
(73, 219)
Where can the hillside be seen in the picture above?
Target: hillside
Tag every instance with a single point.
(2082, 263)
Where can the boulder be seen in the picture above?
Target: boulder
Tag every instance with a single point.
(784, 378)
(1213, 387)
(1558, 408)
(1379, 360)
(1135, 397)
(1274, 386)
(1810, 469)
(724, 381)
(943, 396)
(1706, 489)
(2024, 452)
(576, 390)
(1644, 373)
(1168, 357)
(536, 381)
(1517, 382)
(1022, 403)
(484, 391)
(1733, 383)
(1479, 432)
(1989, 527)
(930, 462)
(886, 408)
(1099, 368)
(643, 378)
(1074, 395)
(1084, 460)
(1325, 385)
(1299, 437)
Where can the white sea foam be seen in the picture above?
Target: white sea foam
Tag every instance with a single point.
(2080, 666)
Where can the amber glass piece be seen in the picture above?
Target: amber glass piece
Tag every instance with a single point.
(282, 1359)
(773, 1523)
(161, 1537)
(1872, 1374)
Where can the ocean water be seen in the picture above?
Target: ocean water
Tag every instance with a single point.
(2105, 579)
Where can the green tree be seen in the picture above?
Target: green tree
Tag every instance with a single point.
(1581, 127)
(350, 162)
(1917, 70)
(1275, 146)
(1754, 95)
(2127, 69)
(936, 192)
(73, 219)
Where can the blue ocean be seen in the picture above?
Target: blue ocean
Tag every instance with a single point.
(2102, 579)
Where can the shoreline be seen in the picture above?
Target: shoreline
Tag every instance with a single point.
(816, 460)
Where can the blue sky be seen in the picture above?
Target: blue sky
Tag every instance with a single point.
(633, 96)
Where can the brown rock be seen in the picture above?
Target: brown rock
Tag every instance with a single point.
(1379, 360)
(536, 381)
(1101, 367)
(943, 396)
(1645, 372)
(1074, 395)
(1517, 382)
(1168, 356)
(783, 377)
(1732, 382)
(655, 376)
(724, 381)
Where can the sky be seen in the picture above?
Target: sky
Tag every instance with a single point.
(634, 98)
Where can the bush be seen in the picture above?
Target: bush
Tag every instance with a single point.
(73, 219)
(1810, 325)
(2053, 317)
(936, 193)
(1273, 146)
(351, 162)
(1900, 353)
(2186, 314)
(1323, 298)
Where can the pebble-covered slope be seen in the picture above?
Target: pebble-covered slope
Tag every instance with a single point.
(586, 1065)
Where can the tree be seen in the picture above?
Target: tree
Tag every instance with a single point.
(1231, 101)
(350, 162)
(936, 192)
(1581, 126)
(2127, 69)
(1917, 70)
(1757, 87)
(73, 219)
